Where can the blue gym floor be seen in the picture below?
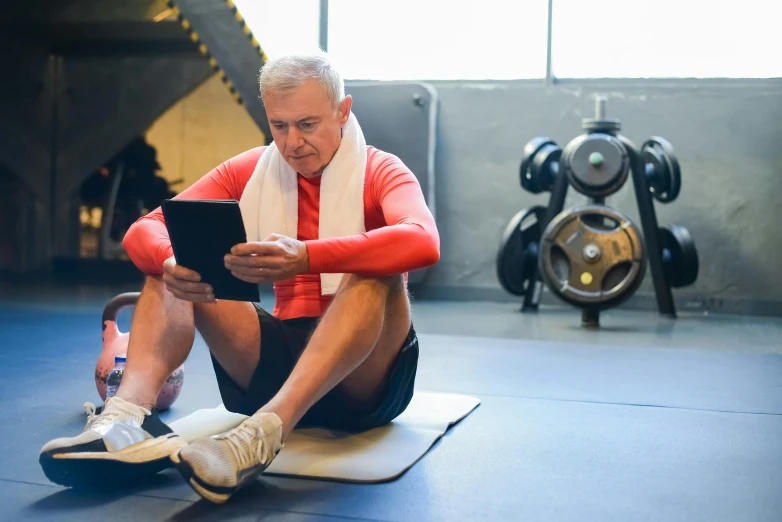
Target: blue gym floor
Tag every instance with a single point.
(646, 419)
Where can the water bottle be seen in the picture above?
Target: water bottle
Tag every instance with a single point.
(115, 376)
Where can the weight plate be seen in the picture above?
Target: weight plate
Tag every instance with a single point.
(518, 252)
(662, 169)
(680, 258)
(604, 125)
(592, 257)
(597, 165)
(529, 180)
(544, 168)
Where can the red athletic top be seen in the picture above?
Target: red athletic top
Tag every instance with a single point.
(401, 232)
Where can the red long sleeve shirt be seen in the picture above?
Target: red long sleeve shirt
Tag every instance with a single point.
(401, 232)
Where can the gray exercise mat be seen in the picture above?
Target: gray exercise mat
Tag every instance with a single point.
(377, 455)
(666, 377)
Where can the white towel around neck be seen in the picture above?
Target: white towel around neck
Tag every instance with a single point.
(270, 202)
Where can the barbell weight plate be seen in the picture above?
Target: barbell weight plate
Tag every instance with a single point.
(597, 165)
(655, 167)
(544, 168)
(662, 168)
(592, 257)
(681, 257)
(601, 125)
(530, 150)
(517, 255)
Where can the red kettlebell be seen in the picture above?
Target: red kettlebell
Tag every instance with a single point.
(116, 343)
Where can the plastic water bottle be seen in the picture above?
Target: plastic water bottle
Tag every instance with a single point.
(115, 376)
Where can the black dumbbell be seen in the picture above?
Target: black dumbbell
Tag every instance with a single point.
(539, 165)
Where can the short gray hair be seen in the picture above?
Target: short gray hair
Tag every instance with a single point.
(283, 74)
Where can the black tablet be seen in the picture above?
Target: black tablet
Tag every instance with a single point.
(202, 232)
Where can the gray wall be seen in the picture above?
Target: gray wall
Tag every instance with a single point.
(727, 135)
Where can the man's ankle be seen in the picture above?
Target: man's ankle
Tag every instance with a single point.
(138, 400)
(285, 422)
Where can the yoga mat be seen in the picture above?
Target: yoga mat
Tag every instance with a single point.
(376, 455)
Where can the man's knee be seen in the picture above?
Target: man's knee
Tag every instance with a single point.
(154, 282)
(154, 290)
(390, 285)
(155, 286)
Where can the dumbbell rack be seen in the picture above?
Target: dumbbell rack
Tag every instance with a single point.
(649, 223)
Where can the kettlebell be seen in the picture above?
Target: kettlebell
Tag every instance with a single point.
(116, 343)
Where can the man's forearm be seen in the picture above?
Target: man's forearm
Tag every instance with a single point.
(386, 251)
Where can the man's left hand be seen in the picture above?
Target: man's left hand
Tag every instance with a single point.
(273, 259)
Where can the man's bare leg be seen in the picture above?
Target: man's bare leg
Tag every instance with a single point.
(353, 347)
(162, 335)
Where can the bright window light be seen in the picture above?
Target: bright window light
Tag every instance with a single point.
(666, 38)
(438, 39)
(282, 27)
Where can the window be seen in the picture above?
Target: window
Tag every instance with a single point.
(438, 39)
(666, 38)
(503, 40)
(282, 27)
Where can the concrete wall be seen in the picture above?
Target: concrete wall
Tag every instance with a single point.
(726, 134)
(201, 131)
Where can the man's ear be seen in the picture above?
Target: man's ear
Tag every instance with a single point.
(343, 110)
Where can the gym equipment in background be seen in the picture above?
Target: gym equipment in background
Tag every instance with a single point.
(594, 257)
(125, 188)
(596, 164)
(539, 165)
(680, 258)
(662, 169)
(116, 343)
(520, 242)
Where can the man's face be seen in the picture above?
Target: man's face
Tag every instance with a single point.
(305, 127)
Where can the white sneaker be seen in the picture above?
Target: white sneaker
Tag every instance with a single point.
(122, 442)
(216, 467)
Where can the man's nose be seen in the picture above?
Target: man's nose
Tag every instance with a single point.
(294, 138)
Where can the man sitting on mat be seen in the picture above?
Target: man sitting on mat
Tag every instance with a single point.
(338, 351)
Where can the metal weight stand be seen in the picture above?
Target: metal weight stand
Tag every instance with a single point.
(650, 227)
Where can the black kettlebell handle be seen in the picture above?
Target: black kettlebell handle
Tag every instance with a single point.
(118, 302)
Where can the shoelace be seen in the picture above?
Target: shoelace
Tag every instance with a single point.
(246, 442)
(90, 409)
(95, 420)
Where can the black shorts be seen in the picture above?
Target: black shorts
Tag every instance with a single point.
(282, 343)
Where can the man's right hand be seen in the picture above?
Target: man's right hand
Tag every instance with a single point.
(186, 284)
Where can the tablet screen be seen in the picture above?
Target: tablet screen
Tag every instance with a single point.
(202, 233)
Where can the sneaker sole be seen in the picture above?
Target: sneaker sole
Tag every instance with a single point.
(214, 494)
(95, 469)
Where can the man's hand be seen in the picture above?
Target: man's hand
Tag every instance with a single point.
(273, 259)
(185, 284)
